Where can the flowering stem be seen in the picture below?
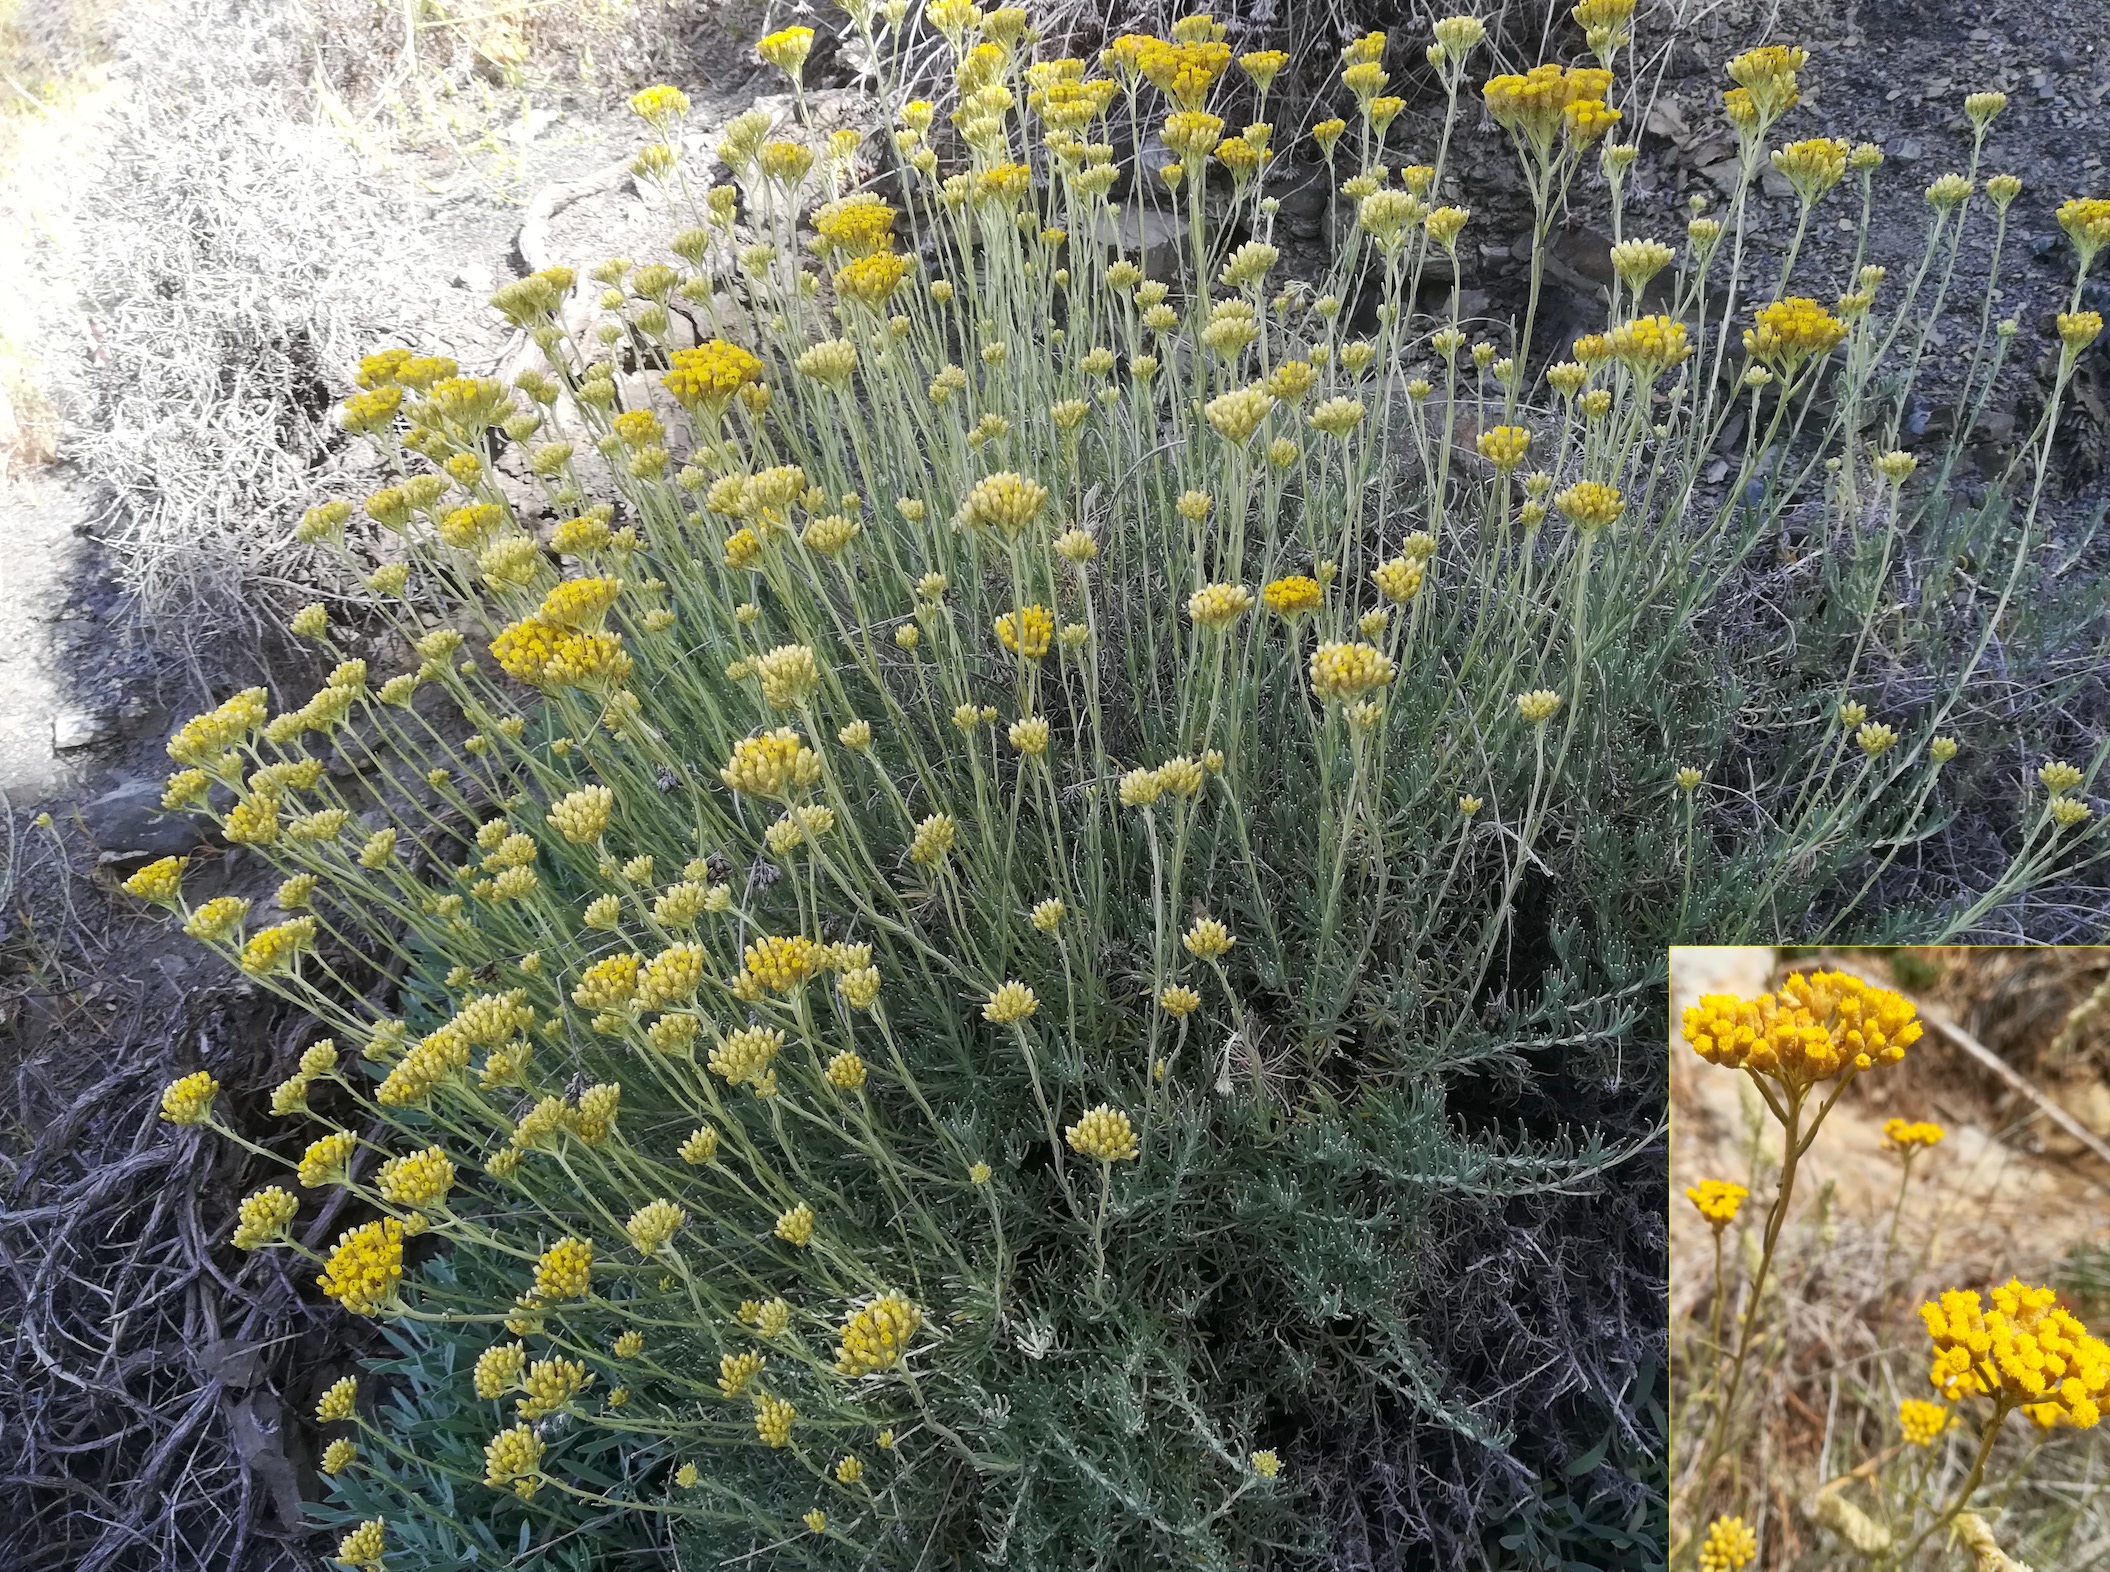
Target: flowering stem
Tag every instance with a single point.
(1890, 1240)
(1971, 1482)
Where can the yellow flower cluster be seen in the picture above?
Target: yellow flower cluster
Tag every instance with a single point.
(711, 375)
(1921, 1421)
(1103, 1134)
(773, 1418)
(653, 1224)
(263, 1217)
(771, 765)
(498, 1370)
(2086, 221)
(1005, 501)
(1009, 1004)
(876, 1336)
(1533, 107)
(1027, 632)
(736, 1371)
(1292, 596)
(565, 1270)
(1816, 1027)
(548, 1385)
(1590, 504)
(1812, 167)
(361, 1549)
(514, 1458)
(1717, 1200)
(201, 739)
(188, 1099)
(1650, 345)
(364, 1269)
(1791, 331)
(2026, 1352)
(325, 1159)
(337, 1401)
(1730, 1545)
(782, 963)
(419, 1180)
(1910, 1135)
(744, 1058)
(1344, 672)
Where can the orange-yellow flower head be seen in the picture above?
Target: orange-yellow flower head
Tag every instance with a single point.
(1814, 1028)
(1921, 1421)
(1730, 1546)
(1908, 1136)
(1717, 1200)
(2026, 1352)
(1533, 107)
(1791, 331)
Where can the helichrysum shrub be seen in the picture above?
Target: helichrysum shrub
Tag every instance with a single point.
(941, 901)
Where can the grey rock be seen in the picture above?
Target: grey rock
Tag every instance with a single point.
(1148, 237)
(73, 729)
(128, 822)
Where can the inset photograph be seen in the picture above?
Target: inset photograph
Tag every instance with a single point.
(1890, 1258)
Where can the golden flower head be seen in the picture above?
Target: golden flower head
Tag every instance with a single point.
(1538, 706)
(514, 1458)
(1027, 632)
(1533, 107)
(1504, 446)
(1236, 415)
(2086, 221)
(2026, 1352)
(365, 1267)
(774, 764)
(420, 1180)
(498, 1370)
(1730, 1546)
(933, 839)
(188, 1099)
(337, 1401)
(565, 1270)
(1177, 999)
(789, 674)
(362, 1548)
(1921, 1421)
(1292, 596)
(787, 49)
(263, 1217)
(1590, 504)
(2079, 329)
(1816, 1027)
(1812, 167)
(1006, 501)
(1791, 331)
(1717, 1200)
(1207, 939)
(1907, 1136)
(876, 1336)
